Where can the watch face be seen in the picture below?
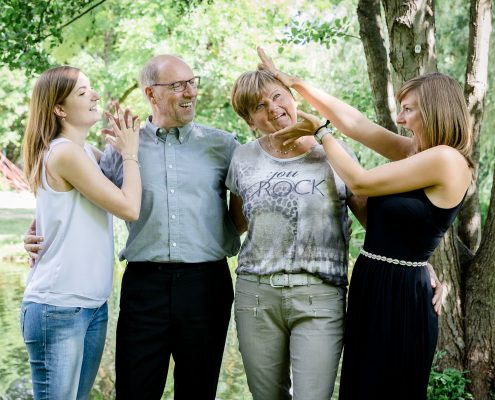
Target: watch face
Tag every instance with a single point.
(321, 133)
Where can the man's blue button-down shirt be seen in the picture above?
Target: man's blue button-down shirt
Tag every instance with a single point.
(184, 216)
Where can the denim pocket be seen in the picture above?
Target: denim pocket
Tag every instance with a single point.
(22, 318)
(57, 312)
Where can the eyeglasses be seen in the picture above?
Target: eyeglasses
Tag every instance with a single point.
(180, 86)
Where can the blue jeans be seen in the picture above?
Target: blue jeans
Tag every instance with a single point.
(65, 345)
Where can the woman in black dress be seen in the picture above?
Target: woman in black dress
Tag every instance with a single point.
(392, 328)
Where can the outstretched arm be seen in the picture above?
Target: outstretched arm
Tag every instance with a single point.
(440, 167)
(347, 119)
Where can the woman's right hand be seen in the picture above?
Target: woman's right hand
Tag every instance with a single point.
(124, 135)
(306, 126)
(268, 65)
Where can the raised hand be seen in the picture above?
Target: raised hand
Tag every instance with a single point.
(268, 65)
(125, 129)
(305, 127)
(115, 118)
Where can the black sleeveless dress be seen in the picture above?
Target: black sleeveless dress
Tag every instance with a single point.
(391, 328)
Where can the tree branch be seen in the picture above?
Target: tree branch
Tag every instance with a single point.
(371, 32)
(75, 18)
(127, 92)
(474, 92)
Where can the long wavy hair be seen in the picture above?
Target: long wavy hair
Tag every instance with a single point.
(52, 88)
(444, 113)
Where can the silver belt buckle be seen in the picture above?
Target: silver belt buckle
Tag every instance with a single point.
(272, 284)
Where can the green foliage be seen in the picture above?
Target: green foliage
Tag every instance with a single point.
(324, 33)
(218, 39)
(14, 88)
(449, 384)
(30, 29)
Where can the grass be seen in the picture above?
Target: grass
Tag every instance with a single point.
(14, 223)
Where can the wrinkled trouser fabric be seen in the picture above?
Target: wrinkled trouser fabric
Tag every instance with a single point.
(299, 328)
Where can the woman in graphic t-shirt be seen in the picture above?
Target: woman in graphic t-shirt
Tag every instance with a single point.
(292, 267)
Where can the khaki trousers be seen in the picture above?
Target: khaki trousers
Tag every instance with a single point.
(296, 329)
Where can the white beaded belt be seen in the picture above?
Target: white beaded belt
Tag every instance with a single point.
(394, 260)
(283, 280)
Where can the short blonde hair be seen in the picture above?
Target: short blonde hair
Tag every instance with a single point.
(444, 114)
(248, 89)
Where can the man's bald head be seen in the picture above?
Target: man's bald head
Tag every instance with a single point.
(158, 67)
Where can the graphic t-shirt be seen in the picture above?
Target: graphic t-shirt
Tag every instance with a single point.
(296, 213)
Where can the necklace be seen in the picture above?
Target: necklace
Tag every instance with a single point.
(281, 151)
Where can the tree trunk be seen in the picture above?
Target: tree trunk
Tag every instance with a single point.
(480, 312)
(445, 261)
(467, 326)
(382, 90)
(411, 28)
(480, 273)
(475, 90)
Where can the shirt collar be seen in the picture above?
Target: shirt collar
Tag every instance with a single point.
(181, 133)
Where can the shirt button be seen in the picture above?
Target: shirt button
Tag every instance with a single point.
(173, 216)
(172, 191)
(174, 244)
(181, 137)
(170, 144)
(170, 165)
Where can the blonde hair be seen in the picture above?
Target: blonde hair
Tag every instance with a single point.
(444, 114)
(248, 89)
(52, 88)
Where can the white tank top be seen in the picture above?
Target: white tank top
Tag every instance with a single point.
(76, 265)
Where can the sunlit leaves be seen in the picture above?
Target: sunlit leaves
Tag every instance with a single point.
(324, 33)
(29, 29)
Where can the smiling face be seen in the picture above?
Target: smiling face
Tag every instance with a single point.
(410, 115)
(172, 109)
(79, 108)
(275, 110)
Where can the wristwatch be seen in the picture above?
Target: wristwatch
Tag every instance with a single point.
(323, 131)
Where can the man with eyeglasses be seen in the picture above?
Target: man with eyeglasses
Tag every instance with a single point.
(176, 291)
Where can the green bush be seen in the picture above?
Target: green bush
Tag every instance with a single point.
(449, 384)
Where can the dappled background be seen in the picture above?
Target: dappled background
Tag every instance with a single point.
(110, 40)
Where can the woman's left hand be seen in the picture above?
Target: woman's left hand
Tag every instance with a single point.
(306, 127)
(438, 295)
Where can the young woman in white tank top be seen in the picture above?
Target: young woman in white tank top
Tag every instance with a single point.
(64, 310)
